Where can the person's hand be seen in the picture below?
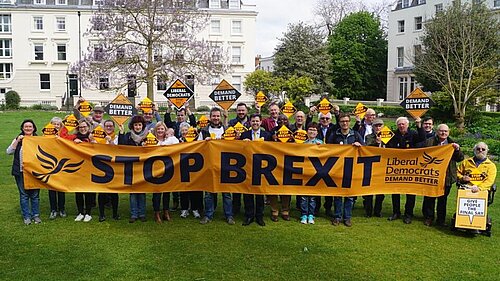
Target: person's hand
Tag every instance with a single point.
(358, 119)
(456, 146)
(20, 138)
(474, 189)
(224, 113)
(186, 106)
(246, 140)
(356, 144)
(312, 110)
(81, 99)
(121, 128)
(257, 107)
(78, 141)
(208, 138)
(466, 179)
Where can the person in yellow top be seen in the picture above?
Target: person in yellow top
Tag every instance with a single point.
(478, 172)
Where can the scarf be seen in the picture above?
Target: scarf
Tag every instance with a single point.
(138, 137)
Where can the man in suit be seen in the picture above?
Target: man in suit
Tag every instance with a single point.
(254, 204)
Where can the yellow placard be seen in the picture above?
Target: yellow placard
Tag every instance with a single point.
(70, 122)
(472, 209)
(151, 140)
(261, 98)
(49, 130)
(191, 134)
(203, 122)
(229, 134)
(85, 108)
(240, 128)
(146, 105)
(385, 134)
(99, 134)
(284, 134)
(325, 106)
(417, 103)
(288, 109)
(360, 110)
(300, 136)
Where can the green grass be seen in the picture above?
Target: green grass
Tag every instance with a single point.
(373, 249)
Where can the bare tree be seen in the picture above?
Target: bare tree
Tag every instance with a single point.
(146, 39)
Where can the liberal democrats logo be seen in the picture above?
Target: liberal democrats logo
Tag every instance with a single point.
(54, 165)
(430, 160)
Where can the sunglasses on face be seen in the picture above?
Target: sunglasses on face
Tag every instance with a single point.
(481, 149)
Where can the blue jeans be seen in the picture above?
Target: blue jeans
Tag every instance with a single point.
(137, 205)
(227, 204)
(348, 203)
(27, 196)
(307, 205)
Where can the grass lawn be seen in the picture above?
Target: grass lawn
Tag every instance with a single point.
(373, 249)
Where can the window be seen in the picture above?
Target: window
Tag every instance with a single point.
(403, 87)
(120, 24)
(60, 23)
(38, 51)
(5, 47)
(44, 81)
(104, 82)
(401, 51)
(5, 71)
(214, 4)
(38, 23)
(5, 23)
(413, 84)
(120, 53)
(215, 26)
(236, 54)
(161, 84)
(236, 27)
(417, 51)
(401, 26)
(98, 53)
(234, 4)
(420, 2)
(61, 51)
(39, 2)
(98, 2)
(439, 7)
(61, 2)
(418, 23)
(496, 3)
(406, 3)
(237, 82)
(98, 24)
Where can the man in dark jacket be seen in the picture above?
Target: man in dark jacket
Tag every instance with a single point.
(442, 138)
(181, 117)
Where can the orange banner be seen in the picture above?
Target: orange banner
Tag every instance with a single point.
(230, 166)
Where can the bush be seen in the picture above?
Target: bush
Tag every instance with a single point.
(12, 100)
(203, 108)
(45, 107)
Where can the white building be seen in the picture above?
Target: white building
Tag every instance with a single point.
(406, 25)
(40, 40)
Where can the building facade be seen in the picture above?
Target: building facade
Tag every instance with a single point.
(41, 39)
(406, 25)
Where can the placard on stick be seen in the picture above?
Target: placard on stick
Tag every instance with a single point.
(261, 98)
(120, 109)
(225, 95)
(417, 103)
(472, 209)
(178, 94)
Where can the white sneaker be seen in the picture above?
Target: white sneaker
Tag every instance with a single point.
(87, 218)
(196, 214)
(184, 214)
(79, 217)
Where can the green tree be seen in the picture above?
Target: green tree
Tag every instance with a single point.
(303, 52)
(461, 55)
(297, 87)
(12, 100)
(359, 57)
(261, 80)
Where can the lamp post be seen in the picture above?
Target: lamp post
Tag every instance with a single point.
(79, 55)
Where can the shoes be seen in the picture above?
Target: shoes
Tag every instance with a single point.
(53, 215)
(247, 221)
(205, 220)
(116, 217)
(274, 218)
(394, 217)
(407, 220)
(368, 215)
(184, 214)
(230, 221)
(260, 221)
(102, 218)
(428, 222)
(166, 215)
(348, 223)
(37, 220)
(132, 220)
(143, 219)
(336, 222)
(441, 223)
(157, 218)
(303, 219)
(196, 214)
(87, 218)
(378, 215)
(310, 219)
(79, 217)
(285, 217)
(62, 214)
(27, 221)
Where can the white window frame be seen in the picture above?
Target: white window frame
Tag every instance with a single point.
(405, 4)
(61, 2)
(5, 49)
(403, 87)
(214, 29)
(103, 82)
(496, 3)
(401, 26)
(236, 82)
(44, 82)
(237, 31)
(400, 51)
(214, 4)
(419, 23)
(438, 7)
(161, 84)
(39, 2)
(39, 51)
(97, 2)
(236, 52)
(4, 72)
(5, 25)
(234, 4)
(60, 23)
(37, 23)
(59, 53)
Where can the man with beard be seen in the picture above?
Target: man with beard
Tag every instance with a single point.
(442, 138)
(97, 114)
(241, 116)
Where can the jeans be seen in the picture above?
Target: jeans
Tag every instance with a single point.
(137, 205)
(307, 205)
(347, 208)
(27, 196)
(57, 200)
(157, 199)
(227, 204)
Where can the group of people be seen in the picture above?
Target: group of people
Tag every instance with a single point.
(202, 206)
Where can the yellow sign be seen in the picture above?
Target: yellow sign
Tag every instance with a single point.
(288, 109)
(284, 134)
(234, 166)
(203, 122)
(146, 105)
(85, 108)
(224, 95)
(417, 103)
(229, 134)
(261, 98)
(360, 110)
(325, 106)
(49, 130)
(240, 128)
(472, 209)
(70, 122)
(151, 140)
(120, 109)
(99, 134)
(385, 134)
(191, 134)
(178, 94)
(300, 136)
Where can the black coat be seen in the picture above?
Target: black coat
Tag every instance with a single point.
(263, 134)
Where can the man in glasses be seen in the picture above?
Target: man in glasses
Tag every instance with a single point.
(374, 139)
(365, 126)
(428, 206)
(148, 118)
(478, 172)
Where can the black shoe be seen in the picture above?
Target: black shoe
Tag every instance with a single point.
(260, 221)
(394, 217)
(143, 219)
(247, 221)
(132, 220)
(377, 215)
(102, 218)
(428, 222)
(116, 217)
(407, 220)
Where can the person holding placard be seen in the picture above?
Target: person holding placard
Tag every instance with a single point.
(57, 199)
(181, 117)
(373, 139)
